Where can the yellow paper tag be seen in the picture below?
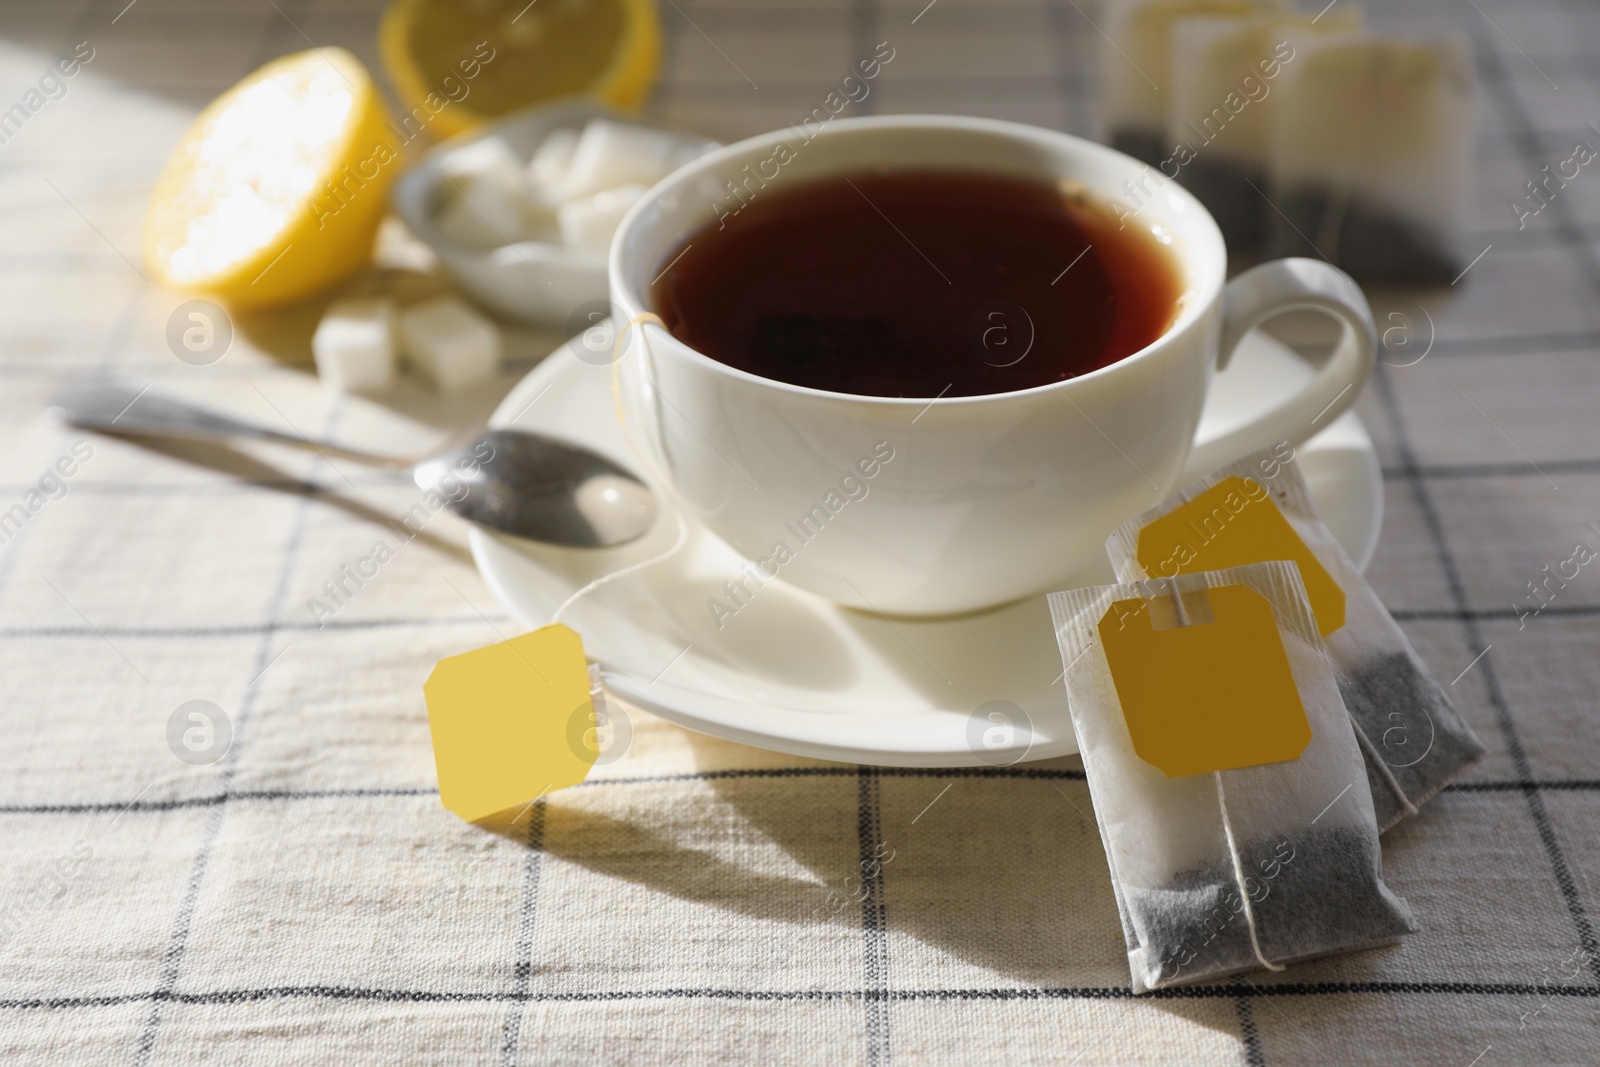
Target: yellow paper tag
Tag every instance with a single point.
(1210, 696)
(502, 721)
(1233, 524)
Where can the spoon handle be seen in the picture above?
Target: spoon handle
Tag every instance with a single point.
(119, 407)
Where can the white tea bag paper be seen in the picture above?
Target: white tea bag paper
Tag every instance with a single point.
(1372, 155)
(1412, 739)
(1135, 68)
(1219, 110)
(1225, 778)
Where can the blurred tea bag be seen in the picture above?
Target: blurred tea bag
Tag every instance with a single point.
(1224, 72)
(1371, 152)
(1135, 79)
(1221, 767)
(1412, 740)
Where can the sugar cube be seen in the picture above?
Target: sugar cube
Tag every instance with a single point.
(449, 342)
(487, 156)
(588, 222)
(483, 196)
(354, 344)
(609, 154)
(547, 171)
(478, 217)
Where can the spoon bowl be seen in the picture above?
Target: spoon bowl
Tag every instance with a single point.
(540, 488)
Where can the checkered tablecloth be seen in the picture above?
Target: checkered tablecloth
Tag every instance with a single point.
(306, 899)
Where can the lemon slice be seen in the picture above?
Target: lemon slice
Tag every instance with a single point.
(278, 188)
(456, 63)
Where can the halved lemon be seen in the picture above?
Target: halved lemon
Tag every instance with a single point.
(456, 63)
(277, 189)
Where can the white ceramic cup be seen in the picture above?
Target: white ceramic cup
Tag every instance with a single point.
(982, 499)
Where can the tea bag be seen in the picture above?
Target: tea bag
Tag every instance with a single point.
(1225, 781)
(1224, 73)
(1371, 152)
(1412, 739)
(1134, 68)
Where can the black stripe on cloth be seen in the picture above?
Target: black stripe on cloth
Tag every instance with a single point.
(1577, 611)
(247, 629)
(875, 935)
(522, 967)
(1568, 785)
(1525, 239)
(254, 629)
(426, 996)
(1437, 471)
(1522, 344)
(1249, 1036)
(1571, 785)
(236, 484)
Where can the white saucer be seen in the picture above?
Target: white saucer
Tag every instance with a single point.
(801, 675)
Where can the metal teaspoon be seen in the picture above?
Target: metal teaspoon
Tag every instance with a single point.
(513, 481)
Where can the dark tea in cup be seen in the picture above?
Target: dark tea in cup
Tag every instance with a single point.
(919, 283)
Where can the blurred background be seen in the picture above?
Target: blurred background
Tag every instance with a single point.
(77, 178)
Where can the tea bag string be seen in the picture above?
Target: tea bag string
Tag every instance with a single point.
(683, 527)
(640, 320)
(1227, 823)
(623, 572)
(597, 692)
(1238, 875)
(1177, 602)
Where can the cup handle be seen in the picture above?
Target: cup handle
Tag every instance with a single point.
(1256, 296)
